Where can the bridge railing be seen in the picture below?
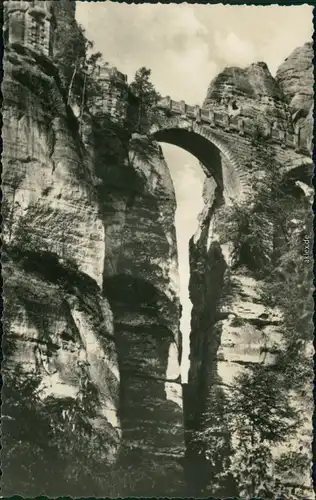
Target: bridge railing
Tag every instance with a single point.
(229, 122)
(190, 110)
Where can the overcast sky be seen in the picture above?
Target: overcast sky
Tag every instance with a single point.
(186, 46)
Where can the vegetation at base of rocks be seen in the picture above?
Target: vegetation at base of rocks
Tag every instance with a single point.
(47, 438)
(261, 419)
(258, 414)
(268, 233)
(51, 445)
(214, 448)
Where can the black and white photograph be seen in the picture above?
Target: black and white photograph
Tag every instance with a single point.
(157, 250)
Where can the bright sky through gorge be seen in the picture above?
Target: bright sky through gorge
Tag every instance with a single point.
(185, 46)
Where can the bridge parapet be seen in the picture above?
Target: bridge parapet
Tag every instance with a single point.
(234, 123)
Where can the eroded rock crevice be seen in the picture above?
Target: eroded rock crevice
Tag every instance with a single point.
(235, 328)
(91, 268)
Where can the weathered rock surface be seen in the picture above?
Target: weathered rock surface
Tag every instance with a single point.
(232, 327)
(90, 259)
(248, 91)
(141, 284)
(295, 78)
(62, 327)
(90, 265)
(54, 242)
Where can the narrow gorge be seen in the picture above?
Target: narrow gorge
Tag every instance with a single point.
(92, 343)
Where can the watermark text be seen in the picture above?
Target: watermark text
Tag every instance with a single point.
(306, 250)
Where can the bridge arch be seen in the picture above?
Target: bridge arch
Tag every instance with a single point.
(301, 170)
(215, 156)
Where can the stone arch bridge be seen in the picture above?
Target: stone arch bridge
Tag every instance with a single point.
(224, 141)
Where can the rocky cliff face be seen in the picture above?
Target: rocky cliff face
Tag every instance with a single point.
(57, 315)
(295, 78)
(234, 329)
(140, 281)
(90, 262)
(90, 267)
(251, 89)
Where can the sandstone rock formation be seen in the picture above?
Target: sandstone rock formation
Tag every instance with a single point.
(90, 258)
(248, 91)
(295, 77)
(54, 242)
(233, 327)
(140, 280)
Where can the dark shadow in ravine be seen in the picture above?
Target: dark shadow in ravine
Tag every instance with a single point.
(152, 425)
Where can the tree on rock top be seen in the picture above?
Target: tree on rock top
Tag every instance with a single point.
(146, 94)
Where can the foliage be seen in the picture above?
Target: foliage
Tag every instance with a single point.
(142, 148)
(269, 414)
(147, 97)
(214, 443)
(130, 139)
(26, 433)
(249, 232)
(252, 224)
(267, 232)
(77, 65)
(46, 438)
(260, 419)
(293, 463)
(110, 140)
(257, 419)
(70, 53)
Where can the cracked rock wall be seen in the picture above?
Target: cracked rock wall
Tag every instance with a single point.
(90, 266)
(54, 242)
(231, 326)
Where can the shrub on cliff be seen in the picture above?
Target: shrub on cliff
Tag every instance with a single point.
(49, 445)
(123, 142)
(268, 234)
(70, 54)
(76, 64)
(146, 98)
(253, 225)
(260, 419)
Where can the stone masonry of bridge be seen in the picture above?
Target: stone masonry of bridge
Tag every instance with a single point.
(231, 121)
(228, 143)
(31, 24)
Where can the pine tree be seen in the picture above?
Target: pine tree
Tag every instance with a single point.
(267, 234)
(146, 95)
